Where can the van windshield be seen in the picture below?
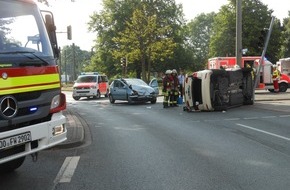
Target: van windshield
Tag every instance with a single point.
(87, 79)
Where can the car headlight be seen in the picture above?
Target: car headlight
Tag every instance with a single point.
(134, 92)
(93, 87)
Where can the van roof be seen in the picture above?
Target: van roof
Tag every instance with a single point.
(90, 73)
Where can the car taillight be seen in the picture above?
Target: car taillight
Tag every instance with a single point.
(58, 103)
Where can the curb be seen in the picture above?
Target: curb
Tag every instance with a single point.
(75, 129)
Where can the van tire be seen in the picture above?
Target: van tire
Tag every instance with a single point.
(76, 97)
(98, 95)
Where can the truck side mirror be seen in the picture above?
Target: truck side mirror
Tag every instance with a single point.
(51, 29)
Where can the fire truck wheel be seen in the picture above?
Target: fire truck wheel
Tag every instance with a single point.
(11, 165)
(283, 87)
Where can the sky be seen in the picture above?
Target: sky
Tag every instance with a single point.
(77, 15)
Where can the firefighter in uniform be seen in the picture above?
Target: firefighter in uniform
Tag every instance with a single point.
(174, 88)
(276, 78)
(252, 70)
(166, 88)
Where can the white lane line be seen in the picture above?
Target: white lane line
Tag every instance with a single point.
(284, 116)
(232, 119)
(67, 170)
(268, 117)
(268, 133)
(250, 118)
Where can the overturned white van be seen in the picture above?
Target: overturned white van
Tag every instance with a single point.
(218, 89)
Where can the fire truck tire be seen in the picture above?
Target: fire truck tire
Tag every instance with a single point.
(283, 87)
(11, 165)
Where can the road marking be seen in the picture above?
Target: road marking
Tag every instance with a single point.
(284, 116)
(268, 117)
(232, 119)
(67, 170)
(251, 118)
(268, 133)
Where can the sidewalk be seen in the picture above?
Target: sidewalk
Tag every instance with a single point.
(76, 125)
(264, 95)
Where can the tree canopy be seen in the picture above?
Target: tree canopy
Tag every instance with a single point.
(153, 36)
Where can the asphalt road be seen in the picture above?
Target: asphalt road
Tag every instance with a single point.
(144, 146)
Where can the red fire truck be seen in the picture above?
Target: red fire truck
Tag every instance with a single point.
(265, 80)
(284, 66)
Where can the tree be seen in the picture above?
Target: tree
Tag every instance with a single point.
(256, 17)
(143, 39)
(74, 61)
(199, 33)
(111, 24)
(285, 38)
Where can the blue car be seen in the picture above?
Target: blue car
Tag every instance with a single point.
(131, 90)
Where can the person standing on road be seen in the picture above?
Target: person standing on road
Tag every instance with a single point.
(166, 88)
(276, 78)
(181, 81)
(174, 88)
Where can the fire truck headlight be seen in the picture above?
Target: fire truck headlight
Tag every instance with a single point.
(58, 103)
(55, 102)
(57, 130)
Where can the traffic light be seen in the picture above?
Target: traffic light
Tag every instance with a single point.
(69, 32)
(123, 61)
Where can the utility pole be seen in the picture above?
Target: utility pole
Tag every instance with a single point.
(239, 45)
(74, 62)
(65, 67)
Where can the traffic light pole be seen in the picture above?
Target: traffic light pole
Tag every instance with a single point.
(263, 55)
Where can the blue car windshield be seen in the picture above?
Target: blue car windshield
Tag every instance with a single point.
(136, 82)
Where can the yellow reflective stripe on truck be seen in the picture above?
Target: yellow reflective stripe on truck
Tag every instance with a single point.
(14, 85)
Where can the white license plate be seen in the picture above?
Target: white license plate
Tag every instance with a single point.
(15, 140)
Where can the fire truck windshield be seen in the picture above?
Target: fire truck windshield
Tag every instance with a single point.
(19, 38)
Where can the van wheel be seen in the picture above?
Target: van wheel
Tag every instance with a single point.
(153, 101)
(111, 99)
(11, 165)
(76, 97)
(98, 95)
